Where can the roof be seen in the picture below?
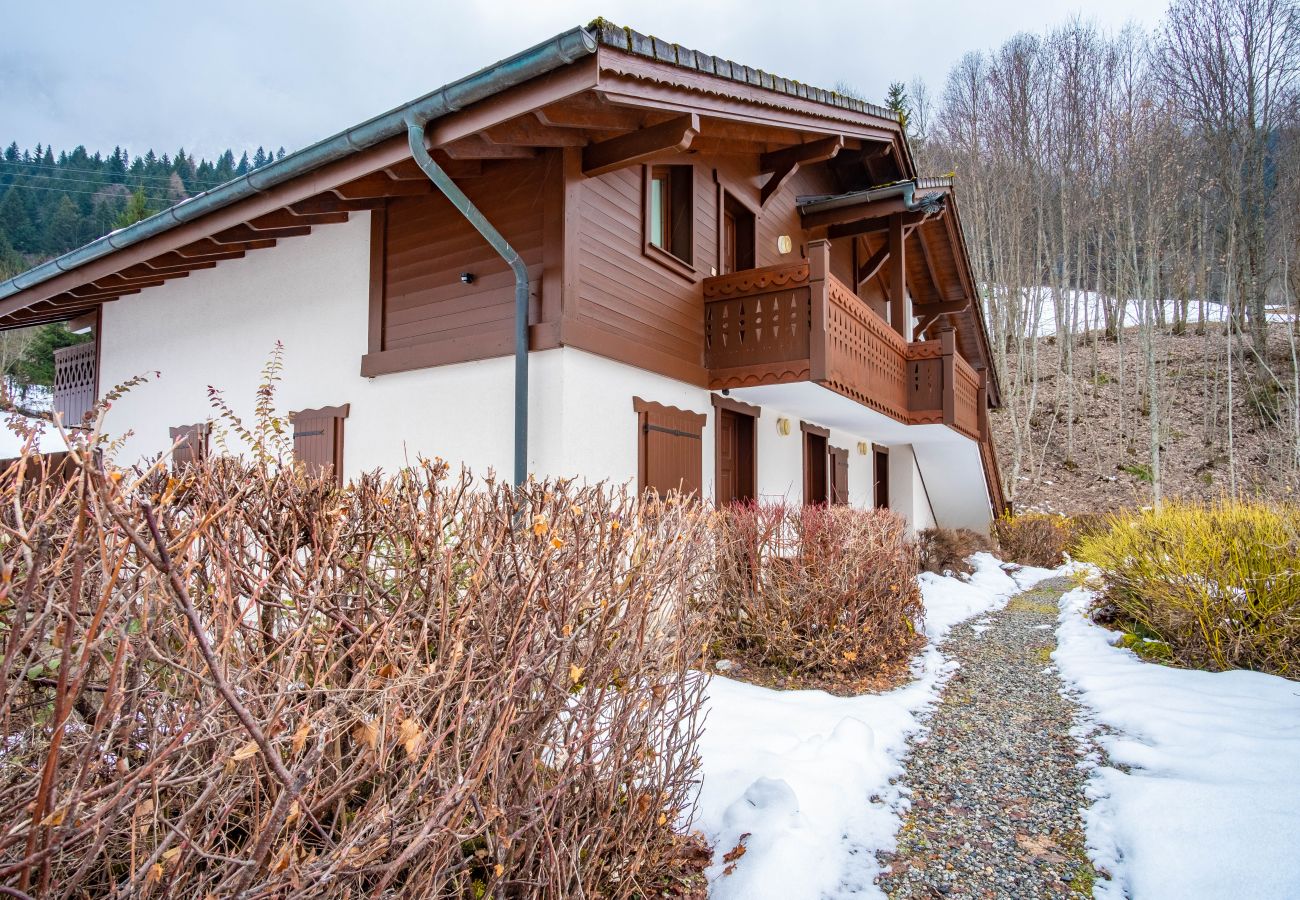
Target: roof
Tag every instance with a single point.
(611, 35)
(559, 51)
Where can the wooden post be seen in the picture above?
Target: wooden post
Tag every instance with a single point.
(948, 341)
(819, 264)
(897, 264)
(982, 405)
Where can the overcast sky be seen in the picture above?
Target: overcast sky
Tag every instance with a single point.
(206, 76)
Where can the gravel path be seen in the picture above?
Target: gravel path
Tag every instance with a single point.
(995, 788)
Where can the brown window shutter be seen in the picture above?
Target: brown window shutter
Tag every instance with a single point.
(671, 448)
(318, 438)
(75, 371)
(839, 476)
(189, 444)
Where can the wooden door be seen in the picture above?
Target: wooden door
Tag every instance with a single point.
(816, 483)
(881, 459)
(839, 470)
(737, 458)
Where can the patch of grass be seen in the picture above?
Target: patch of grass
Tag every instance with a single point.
(1044, 654)
(1140, 471)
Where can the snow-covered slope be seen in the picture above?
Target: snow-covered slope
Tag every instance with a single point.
(1207, 802)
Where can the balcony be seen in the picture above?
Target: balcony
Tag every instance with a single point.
(798, 323)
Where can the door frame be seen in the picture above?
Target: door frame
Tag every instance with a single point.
(823, 435)
(727, 404)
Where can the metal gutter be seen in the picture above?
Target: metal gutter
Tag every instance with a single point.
(466, 207)
(904, 189)
(545, 57)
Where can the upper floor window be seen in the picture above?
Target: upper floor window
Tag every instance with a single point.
(670, 210)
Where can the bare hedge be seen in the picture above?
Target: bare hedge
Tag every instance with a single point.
(816, 590)
(242, 680)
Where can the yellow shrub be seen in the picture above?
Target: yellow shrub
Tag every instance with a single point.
(1220, 584)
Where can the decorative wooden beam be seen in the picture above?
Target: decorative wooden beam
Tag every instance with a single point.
(283, 218)
(477, 147)
(241, 233)
(528, 131)
(929, 264)
(784, 163)
(90, 292)
(210, 249)
(328, 203)
(869, 269)
(147, 268)
(377, 184)
(589, 112)
(898, 277)
(874, 225)
(629, 149)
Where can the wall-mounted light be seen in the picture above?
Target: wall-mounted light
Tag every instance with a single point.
(783, 426)
(862, 448)
(467, 277)
(784, 245)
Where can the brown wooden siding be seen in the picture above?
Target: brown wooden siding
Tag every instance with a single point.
(426, 314)
(632, 307)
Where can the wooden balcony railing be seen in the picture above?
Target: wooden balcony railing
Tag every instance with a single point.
(797, 322)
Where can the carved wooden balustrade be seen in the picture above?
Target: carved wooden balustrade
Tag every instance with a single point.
(797, 322)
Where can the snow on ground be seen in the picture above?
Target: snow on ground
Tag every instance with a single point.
(1084, 308)
(807, 775)
(1200, 797)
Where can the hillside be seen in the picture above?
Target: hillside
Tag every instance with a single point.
(1109, 465)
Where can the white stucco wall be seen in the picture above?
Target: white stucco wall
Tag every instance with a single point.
(218, 326)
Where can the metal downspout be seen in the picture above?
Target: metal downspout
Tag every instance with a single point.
(444, 183)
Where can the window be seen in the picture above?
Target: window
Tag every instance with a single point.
(669, 448)
(318, 439)
(670, 213)
(737, 235)
(189, 444)
(816, 476)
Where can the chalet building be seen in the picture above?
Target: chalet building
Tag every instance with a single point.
(608, 257)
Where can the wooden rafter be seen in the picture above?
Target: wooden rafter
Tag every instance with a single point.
(328, 203)
(874, 225)
(208, 248)
(929, 264)
(475, 146)
(637, 146)
(784, 163)
(147, 268)
(283, 218)
(528, 131)
(377, 184)
(587, 111)
(239, 233)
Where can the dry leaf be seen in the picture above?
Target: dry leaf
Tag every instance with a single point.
(300, 736)
(56, 817)
(387, 670)
(281, 860)
(411, 736)
(248, 751)
(294, 812)
(575, 673)
(540, 526)
(557, 543)
(171, 854)
(155, 874)
(367, 734)
(498, 870)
